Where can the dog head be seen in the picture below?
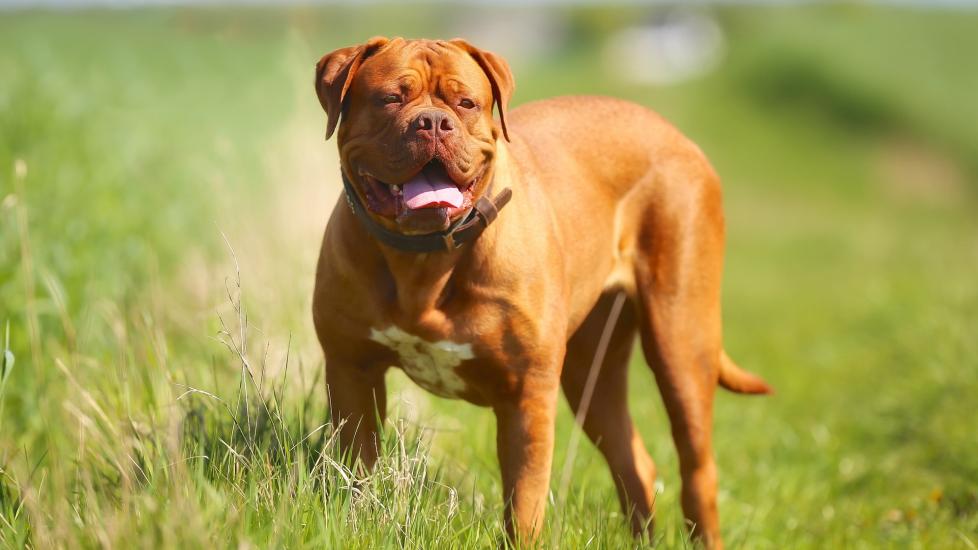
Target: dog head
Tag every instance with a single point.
(417, 136)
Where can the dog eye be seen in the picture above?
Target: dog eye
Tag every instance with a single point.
(466, 103)
(392, 98)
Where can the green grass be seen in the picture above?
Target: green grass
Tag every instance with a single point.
(159, 390)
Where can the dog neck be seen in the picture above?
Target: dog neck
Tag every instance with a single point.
(427, 281)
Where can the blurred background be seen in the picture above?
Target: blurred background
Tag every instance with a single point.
(164, 184)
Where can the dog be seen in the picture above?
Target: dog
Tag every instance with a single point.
(484, 257)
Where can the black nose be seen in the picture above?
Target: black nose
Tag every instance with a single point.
(433, 122)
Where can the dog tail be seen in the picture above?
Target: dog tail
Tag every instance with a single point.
(738, 380)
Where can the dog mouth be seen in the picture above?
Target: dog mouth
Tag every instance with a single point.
(426, 202)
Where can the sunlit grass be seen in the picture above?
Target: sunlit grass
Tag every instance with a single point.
(159, 390)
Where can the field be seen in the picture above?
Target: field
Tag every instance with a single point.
(163, 189)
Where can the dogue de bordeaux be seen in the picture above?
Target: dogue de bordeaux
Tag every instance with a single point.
(483, 258)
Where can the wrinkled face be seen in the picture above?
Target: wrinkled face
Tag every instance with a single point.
(417, 138)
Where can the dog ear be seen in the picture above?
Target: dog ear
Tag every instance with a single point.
(500, 77)
(334, 74)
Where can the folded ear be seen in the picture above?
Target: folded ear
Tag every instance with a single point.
(500, 77)
(334, 74)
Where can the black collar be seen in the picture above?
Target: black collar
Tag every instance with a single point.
(465, 229)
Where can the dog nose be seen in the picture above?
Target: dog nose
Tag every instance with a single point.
(434, 122)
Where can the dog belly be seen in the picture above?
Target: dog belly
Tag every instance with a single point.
(430, 365)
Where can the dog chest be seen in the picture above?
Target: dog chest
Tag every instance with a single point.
(430, 364)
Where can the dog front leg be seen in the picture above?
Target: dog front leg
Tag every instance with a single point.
(524, 444)
(357, 404)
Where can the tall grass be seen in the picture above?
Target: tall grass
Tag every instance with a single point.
(157, 390)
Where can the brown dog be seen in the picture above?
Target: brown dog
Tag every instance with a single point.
(606, 198)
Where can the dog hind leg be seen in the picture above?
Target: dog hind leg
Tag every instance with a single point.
(678, 270)
(608, 423)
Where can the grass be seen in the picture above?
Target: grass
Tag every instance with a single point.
(161, 387)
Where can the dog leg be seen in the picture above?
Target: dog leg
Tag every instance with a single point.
(678, 274)
(524, 444)
(608, 424)
(357, 402)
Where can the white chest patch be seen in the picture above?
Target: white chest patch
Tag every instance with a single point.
(430, 365)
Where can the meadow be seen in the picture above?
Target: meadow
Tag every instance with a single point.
(164, 185)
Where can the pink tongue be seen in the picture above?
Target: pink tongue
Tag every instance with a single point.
(425, 191)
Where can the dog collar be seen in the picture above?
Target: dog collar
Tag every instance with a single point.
(465, 229)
